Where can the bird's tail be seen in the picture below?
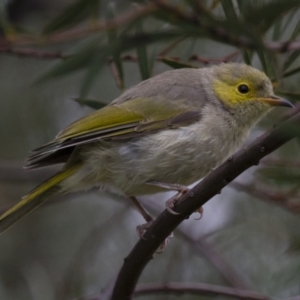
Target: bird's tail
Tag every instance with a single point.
(36, 197)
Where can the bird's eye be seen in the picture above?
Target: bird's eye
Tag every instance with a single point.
(243, 88)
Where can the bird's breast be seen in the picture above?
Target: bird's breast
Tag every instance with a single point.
(183, 155)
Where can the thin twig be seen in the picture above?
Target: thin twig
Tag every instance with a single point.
(203, 247)
(286, 163)
(116, 75)
(74, 34)
(33, 53)
(283, 200)
(200, 289)
(171, 46)
(217, 32)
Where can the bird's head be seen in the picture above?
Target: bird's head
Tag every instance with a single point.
(243, 87)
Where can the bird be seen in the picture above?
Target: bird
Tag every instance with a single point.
(165, 133)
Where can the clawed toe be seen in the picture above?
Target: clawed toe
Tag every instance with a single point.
(140, 229)
(200, 211)
(171, 202)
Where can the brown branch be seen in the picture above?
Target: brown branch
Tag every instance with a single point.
(116, 75)
(33, 53)
(294, 298)
(210, 186)
(287, 163)
(229, 273)
(200, 289)
(281, 199)
(217, 32)
(73, 34)
(226, 36)
(193, 57)
(203, 247)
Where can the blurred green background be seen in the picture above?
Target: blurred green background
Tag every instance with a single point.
(74, 246)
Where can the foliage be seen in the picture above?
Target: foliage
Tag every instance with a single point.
(87, 36)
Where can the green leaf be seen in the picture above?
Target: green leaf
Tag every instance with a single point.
(288, 20)
(176, 64)
(229, 9)
(75, 62)
(3, 16)
(244, 6)
(291, 72)
(291, 95)
(277, 29)
(263, 60)
(112, 37)
(142, 55)
(73, 14)
(263, 16)
(291, 58)
(282, 176)
(152, 57)
(92, 54)
(90, 102)
(93, 71)
(190, 48)
(296, 31)
(248, 55)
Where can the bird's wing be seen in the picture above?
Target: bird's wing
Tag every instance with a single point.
(127, 120)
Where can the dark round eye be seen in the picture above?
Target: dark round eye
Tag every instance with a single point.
(243, 88)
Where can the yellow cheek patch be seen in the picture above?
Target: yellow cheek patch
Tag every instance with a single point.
(229, 94)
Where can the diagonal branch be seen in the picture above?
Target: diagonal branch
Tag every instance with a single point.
(281, 199)
(211, 185)
(200, 289)
(217, 32)
(78, 33)
(203, 247)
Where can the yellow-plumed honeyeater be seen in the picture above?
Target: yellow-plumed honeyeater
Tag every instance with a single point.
(170, 129)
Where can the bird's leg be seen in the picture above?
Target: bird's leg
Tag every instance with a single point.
(181, 189)
(140, 229)
(141, 209)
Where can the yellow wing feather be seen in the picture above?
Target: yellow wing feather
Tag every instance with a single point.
(143, 110)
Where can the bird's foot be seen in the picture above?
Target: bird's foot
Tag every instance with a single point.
(140, 229)
(200, 211)
(181, 189)
(172, 201)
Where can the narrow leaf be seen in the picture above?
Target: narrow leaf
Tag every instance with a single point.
(152, 57)
(75, 62)
(112, 37)
(142, 55)
(291, 72)
(265, 15)
(229, 9)
(291, 58)
(291, 95)
(277, 29)
(90, 102)
(176, 64)
(73, 14)
(92, 73)
(248, 55)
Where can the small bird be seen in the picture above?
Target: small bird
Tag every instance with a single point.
(164, 133)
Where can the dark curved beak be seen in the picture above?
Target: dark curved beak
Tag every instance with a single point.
(277, 101)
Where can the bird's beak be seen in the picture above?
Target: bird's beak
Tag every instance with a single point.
(277, 101)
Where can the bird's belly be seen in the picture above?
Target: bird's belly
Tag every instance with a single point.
(181, 156)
